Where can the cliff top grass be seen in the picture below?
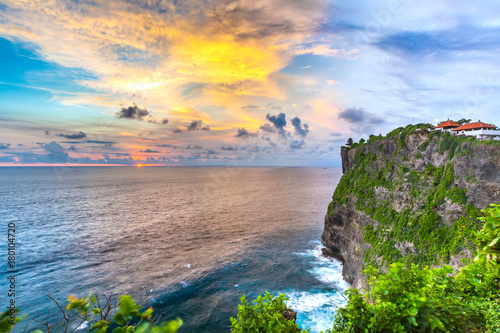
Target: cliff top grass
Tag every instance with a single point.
(423, 128)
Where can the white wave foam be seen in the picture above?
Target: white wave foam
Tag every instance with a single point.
(326, 270)
(83, 325)
(315, 310)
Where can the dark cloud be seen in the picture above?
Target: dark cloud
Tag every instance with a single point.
(72, 148)
(299, 129)
(335, 134)
(79, 135)
(20, 145)
(197, 125)
(211, 152)
(105, 147)
(193, 147)
(133, 112)
(47, 133)
(166, 146)
(177, 130)
(100, 142)
(148, 150)
(228, 148)
(4, 146)
(356, 115)
(244, 133)
(279, 122)
(267, 128)
(296, 144)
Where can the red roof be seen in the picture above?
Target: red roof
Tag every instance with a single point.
(448, 123)
(476, 125)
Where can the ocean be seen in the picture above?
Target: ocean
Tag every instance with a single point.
(190, 240)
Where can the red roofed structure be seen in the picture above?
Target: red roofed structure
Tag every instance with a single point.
(474, 126)
(446, 126)
(448, 123)
(479, 130)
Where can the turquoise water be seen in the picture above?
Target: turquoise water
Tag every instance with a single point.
(189, 240)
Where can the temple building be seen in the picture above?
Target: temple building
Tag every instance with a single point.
(478, 130)
(446, 126)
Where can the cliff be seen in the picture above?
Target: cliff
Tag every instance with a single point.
(411, 197)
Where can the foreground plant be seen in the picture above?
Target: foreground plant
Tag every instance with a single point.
(100, 315)
(269, 314)
(416, 299)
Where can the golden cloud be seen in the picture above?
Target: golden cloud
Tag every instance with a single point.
(153, 50)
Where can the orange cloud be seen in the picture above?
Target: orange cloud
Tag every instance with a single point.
(148, 54)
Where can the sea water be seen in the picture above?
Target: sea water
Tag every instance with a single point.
(189, 240)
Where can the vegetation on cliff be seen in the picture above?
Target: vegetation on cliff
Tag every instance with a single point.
(414, 213)
(411, 298)
(373, 175)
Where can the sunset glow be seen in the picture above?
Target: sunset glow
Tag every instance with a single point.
(195, 83)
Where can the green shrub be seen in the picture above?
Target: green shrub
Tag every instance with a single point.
(101, 314)
(7, 322)
(408, 299)
(372, 138)
(457, 195)
(489, 236)
(429, 170)
(424, 145)
(422, 299)
(266, 315)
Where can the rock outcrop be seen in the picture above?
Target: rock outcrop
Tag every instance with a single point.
(413, 197)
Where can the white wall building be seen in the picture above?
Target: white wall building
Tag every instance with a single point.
(478, 130)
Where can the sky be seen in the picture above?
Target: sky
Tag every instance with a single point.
(235, 82)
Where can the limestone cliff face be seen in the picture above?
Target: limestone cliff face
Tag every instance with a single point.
(408, 198)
